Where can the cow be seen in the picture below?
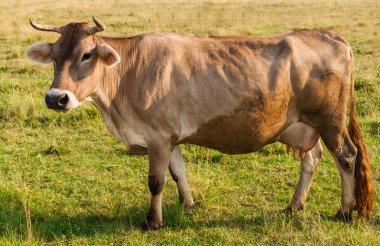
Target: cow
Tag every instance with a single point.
(233, 94)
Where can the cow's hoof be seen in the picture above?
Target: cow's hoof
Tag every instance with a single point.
(150, 226)
(190, 205)
(290, 209)
(341, 216)
(188, 208)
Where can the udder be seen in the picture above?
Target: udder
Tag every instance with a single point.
(300, 138)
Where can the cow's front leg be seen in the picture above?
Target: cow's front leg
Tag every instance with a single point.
(159, 156)
(178, 172)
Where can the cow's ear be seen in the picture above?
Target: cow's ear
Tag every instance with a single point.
(108, 54)
(39, 52)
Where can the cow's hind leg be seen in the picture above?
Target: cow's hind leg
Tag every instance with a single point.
(344, 153)
(178, 172)
(335, 136)
(308, 166)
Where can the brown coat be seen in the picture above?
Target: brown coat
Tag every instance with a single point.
(232, 94)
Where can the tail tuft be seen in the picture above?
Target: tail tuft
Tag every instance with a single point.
(364, 193)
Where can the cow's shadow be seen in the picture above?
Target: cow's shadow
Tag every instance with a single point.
(50, 228)
(13, 223)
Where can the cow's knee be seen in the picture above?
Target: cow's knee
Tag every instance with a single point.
(175, 177)
(156, 184)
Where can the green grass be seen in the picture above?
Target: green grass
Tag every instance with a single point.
(76, 184)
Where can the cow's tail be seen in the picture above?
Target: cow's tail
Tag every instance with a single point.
(364, 193)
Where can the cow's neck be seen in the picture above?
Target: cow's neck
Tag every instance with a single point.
(111, 97)
(114, 78)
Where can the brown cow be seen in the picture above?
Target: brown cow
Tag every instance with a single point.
(232, 94)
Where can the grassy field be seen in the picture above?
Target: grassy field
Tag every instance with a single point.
(65, 180)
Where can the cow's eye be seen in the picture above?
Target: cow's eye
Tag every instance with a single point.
(86, 56)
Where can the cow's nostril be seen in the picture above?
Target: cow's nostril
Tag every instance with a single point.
(63, 100)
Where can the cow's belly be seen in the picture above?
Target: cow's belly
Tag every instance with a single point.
(236, 134)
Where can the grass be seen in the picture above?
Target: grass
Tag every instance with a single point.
(65, 180)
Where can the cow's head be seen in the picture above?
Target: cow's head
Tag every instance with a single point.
(79, 59)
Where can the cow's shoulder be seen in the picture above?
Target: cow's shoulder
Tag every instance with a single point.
(159, 44)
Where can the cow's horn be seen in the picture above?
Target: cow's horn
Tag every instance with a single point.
(98, 28)
(46, 28)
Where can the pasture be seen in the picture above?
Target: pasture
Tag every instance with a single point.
(65, 180)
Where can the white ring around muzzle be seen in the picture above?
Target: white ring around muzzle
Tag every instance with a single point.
(72, 102)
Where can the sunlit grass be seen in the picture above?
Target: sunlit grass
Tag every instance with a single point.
(78, 182)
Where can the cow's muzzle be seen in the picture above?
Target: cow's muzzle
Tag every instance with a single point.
(61, 100)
